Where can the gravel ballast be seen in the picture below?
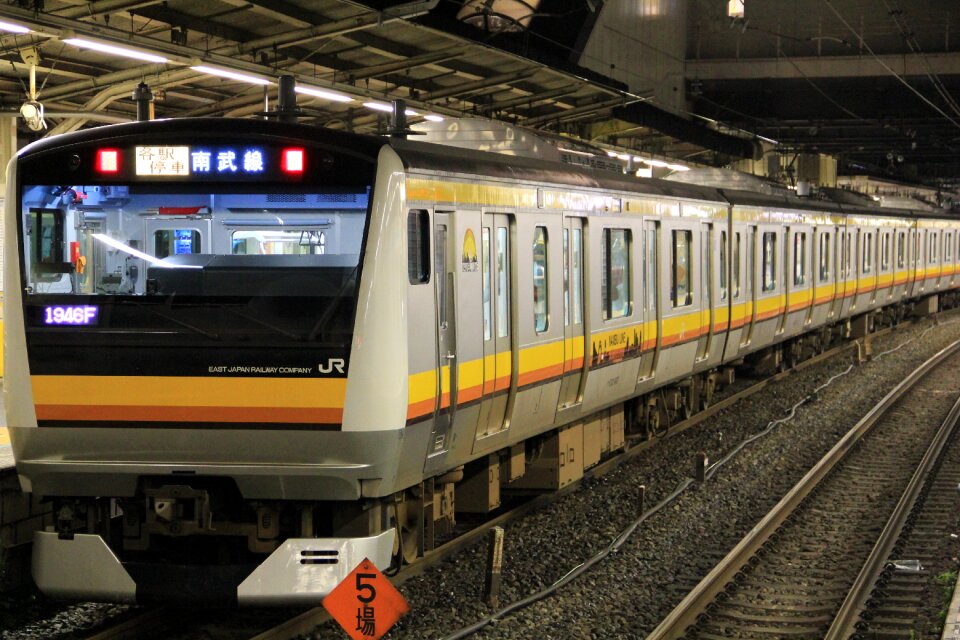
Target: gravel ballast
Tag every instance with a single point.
(626, 595)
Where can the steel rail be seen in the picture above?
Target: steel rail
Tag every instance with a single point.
(312, 618)
(696, 602)
(847, 617)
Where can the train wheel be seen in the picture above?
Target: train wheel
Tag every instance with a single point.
(706, 395)
(409, 526)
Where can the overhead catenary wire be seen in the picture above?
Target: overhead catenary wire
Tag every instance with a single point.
(887, 67)
(911, 40)
(621, 538)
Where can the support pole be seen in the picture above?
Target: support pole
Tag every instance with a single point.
(494, 567)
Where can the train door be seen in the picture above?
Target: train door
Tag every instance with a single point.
(750, 299)
(446, 331)
(573, 343)
(706, 290)
(497, 351)
(837, 272)
(649, 336)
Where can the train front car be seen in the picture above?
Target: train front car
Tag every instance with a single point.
(177, 381)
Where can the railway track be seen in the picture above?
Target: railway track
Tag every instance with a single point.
(815, 563)
(306, 621)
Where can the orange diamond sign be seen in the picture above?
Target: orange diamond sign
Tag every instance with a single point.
(365, 604)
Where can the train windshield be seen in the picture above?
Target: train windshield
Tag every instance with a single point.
(214, 260)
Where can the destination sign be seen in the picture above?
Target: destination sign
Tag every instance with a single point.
(206, 161)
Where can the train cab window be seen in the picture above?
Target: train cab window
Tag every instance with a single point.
(418, 246)
(799, 258)
(824, 270)
(615, 274)
(503, 282)
(723, 265)
(485, 257)
(577, 276)
(769, 261)
(541, 316)
(681, 291)
(901, 250)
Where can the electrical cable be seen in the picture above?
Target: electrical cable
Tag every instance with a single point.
(887, 67)
(622, 537)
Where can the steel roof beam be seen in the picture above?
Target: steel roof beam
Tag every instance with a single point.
(905, 65)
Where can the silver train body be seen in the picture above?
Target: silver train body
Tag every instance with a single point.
(236, 385)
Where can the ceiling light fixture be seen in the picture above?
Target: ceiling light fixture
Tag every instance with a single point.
(678, 167)
(321, 93)
(233, 75)
(433, 118)
(103, 47)
(13, 28)
(386, 108)
(654, 163)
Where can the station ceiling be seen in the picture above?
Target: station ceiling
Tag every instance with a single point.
(869, 81)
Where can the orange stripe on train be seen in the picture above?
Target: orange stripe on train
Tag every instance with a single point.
(126, 413)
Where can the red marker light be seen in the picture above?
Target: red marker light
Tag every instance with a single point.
(108, 160)
(292, 160)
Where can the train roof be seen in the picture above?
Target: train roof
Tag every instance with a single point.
(443, 159)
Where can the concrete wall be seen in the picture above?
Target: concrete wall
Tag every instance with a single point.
(642, 43)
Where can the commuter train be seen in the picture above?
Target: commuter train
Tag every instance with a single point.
(243, 355)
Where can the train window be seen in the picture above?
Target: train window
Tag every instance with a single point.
(901, 250)
(175, 242)
(418, 246)
(440, 267)
(503, 284)
(723, 265)
(615, 274)
(577, 276)
(947, 248)
(269, 242)
(650, 271)
(932, 253)
(566, 277)
(485, 257)
(824, 271)
(799, 258)
(769, 261)
(681, 291)
(736, 265)
(867, 253)
(848, 265)
(885, 252)
(541, 319)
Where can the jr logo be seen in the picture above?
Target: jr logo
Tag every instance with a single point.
(333, 364)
